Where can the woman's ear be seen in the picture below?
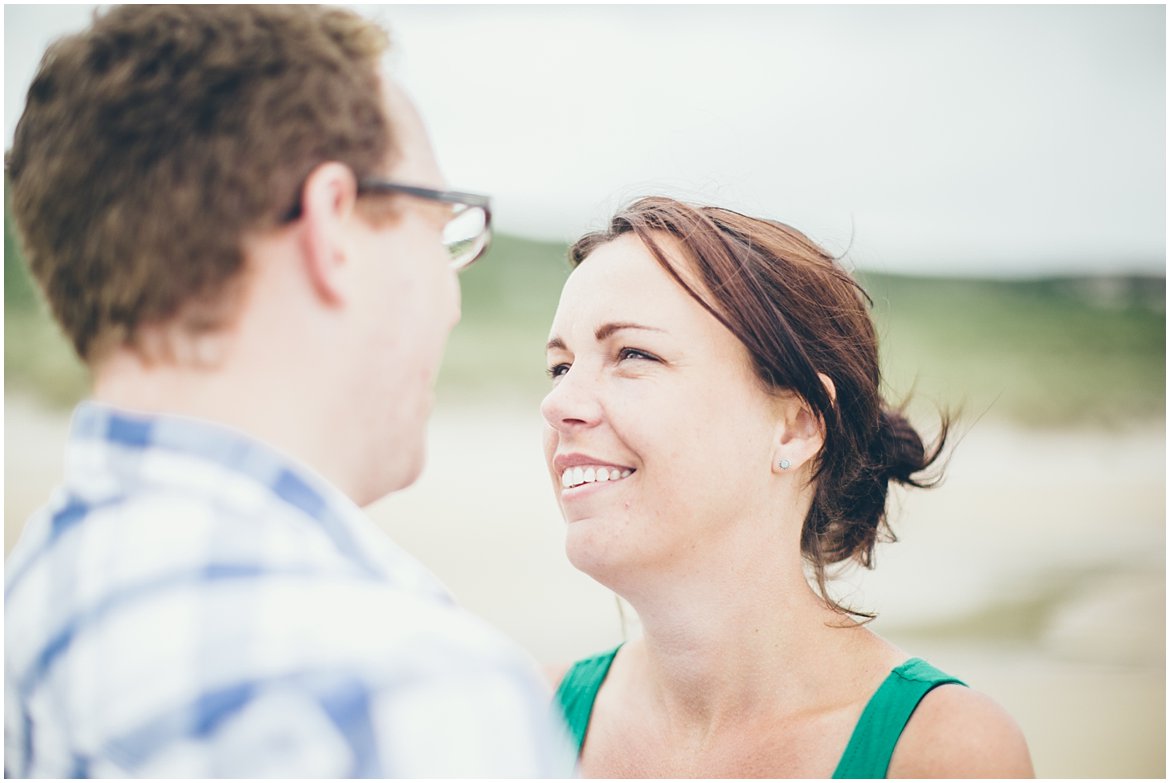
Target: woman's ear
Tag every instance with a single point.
(327, 206)
(830, 387)
(800, 433)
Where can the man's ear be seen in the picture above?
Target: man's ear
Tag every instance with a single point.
(800, 433)
(327, 206)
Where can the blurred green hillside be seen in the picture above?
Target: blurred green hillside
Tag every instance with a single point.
(1041, 353)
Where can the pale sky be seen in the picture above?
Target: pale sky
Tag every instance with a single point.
(990, 140)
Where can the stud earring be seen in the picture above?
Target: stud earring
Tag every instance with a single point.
(784, 464)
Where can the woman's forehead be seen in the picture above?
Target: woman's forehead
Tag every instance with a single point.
(622, 281)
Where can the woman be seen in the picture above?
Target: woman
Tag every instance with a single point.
(715, 426)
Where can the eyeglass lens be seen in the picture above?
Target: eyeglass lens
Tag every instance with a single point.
(465, 235)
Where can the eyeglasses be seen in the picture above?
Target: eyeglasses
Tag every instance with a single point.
(468, 231)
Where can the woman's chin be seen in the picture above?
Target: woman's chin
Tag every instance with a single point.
(598, 555)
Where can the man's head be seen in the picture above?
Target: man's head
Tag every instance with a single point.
(153, 141)
(192, 187)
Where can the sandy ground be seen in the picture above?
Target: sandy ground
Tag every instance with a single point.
(1037, 573)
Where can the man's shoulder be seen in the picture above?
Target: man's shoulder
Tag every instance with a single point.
(232, 579)
(204, 623)
(371, 622)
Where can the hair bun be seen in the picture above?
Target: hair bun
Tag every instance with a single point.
(899, 452)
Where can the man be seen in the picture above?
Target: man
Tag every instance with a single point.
(242, 229)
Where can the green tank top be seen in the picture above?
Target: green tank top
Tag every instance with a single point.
(870, 747)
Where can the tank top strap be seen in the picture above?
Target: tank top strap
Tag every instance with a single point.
(885, 716)
(578, 690)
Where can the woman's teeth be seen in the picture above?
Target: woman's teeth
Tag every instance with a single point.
(573, 477)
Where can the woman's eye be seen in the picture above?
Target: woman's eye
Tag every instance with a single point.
(634, 353)
(557, 370)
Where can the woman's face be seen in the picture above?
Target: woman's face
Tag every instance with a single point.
(660, 436)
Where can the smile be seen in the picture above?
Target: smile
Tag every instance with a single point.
(589, 474)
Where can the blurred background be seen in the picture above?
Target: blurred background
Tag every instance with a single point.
(995, 176)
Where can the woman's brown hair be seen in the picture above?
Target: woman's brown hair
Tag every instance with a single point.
(798, 313)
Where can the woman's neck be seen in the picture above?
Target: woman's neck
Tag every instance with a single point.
(718, 651)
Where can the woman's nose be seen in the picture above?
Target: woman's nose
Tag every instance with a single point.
(573, 403)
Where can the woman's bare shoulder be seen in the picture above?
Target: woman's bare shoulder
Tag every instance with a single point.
(957, 732)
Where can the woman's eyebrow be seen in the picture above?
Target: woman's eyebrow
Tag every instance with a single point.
(607, 330)
(603, 332)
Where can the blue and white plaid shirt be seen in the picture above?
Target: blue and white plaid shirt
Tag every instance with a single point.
(192, 604)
